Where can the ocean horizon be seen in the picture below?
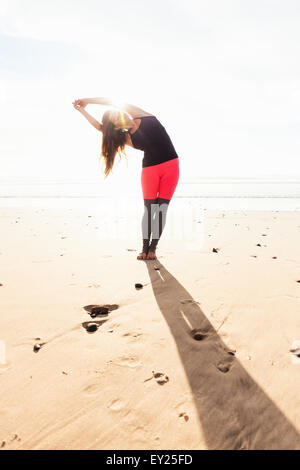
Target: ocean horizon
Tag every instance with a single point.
(204, 187)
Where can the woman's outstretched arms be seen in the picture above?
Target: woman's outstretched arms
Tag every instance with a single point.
(131, 109)
(90, 118)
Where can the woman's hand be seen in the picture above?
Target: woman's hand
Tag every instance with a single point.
(77, 106)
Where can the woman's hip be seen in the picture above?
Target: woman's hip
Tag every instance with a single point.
(160, 179)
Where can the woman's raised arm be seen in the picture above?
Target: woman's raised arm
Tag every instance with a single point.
(103, 101)
(90, 118)
(131, 109)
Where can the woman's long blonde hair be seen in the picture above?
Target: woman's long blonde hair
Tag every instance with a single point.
(113, 141)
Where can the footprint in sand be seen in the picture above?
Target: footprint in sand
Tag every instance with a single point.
(116, 405)
(92, 389)
(131, 362)
(225, 365)
(132, 335)
(200, 335)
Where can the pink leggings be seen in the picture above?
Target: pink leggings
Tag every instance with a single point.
(160, 180)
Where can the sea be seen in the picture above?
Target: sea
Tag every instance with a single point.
(114, 208)
(214, 192)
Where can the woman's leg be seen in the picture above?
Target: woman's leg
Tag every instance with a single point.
(149, 210)
(169, 175)
(159, 222)
(150, 185)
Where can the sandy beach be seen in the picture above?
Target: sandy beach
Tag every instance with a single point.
(199, 358)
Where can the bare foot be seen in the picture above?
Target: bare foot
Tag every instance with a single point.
(151, 255)
(142, 256)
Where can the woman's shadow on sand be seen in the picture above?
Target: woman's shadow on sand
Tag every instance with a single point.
(234, 412)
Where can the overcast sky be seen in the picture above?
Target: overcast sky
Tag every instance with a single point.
(223, 77)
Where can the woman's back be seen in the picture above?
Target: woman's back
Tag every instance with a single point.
(153, 139)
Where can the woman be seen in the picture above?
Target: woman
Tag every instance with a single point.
(130, 125)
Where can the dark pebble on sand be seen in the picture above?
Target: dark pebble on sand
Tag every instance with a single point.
(36, 348)
(215, 250)
(138, 286)
(298, 281)
(95, 311)
(156, 268)
(258, 244)
(274, 257)
(1, 285)
(92, 327)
